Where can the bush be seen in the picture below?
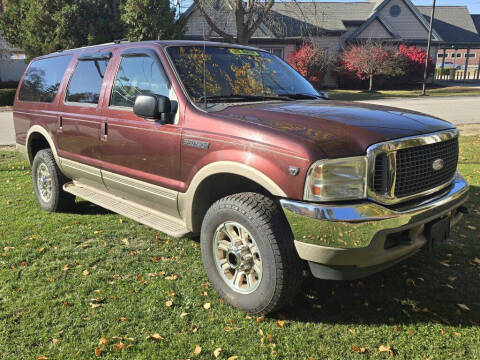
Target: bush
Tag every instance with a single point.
(312, 62)
(392, 66)
(7, 96)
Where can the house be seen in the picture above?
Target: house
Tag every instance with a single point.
(333, 25)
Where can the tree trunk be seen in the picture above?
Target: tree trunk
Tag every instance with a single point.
(370, 87)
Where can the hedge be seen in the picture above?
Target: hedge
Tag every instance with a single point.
(7, 96)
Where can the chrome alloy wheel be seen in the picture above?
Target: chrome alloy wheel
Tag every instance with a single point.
(44, 182)
(237, 257)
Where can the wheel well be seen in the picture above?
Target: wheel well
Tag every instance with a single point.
(37, 142)
(214, 188)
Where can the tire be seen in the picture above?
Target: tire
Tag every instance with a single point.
(269, 248)
(48, 183)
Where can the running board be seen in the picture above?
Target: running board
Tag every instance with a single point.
(154, 219)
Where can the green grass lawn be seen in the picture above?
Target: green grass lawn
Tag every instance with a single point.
(352, 95)
(91, 281)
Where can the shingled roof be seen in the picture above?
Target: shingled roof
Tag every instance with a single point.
(453, 23)
(292, 19)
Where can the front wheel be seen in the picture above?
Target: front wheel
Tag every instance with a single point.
(249, 254)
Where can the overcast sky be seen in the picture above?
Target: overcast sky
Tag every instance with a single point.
(473, 5)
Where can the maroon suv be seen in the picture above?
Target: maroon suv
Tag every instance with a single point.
(231, 143)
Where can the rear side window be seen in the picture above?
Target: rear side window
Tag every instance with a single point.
(86, 81)
(138, 75)
(42, 79)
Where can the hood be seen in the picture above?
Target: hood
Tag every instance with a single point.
(338, 128)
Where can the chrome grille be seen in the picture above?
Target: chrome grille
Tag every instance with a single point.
(415, 172)
(402, 169)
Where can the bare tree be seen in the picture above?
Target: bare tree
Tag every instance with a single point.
(248, 16)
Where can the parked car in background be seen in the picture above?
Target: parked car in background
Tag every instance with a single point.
(229, 142)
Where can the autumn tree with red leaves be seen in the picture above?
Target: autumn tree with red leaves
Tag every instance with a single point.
(371, 59)
(312, 62)
(414, 58)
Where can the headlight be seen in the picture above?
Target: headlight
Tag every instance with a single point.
(337, 179)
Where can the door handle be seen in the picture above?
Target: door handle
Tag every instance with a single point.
(60, 124)
(104, 131)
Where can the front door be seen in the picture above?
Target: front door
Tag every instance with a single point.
(141, 157)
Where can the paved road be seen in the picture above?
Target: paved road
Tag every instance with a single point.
(460, 110)
(7, 131)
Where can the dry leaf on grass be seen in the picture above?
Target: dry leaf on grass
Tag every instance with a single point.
(217, 352)
(168, 303)
(386, 348)
(198, 350)
(156, 337)
(260, 319)
(172, 277)
(357, 349)
(280, 323)
(85, 272)
(123, 319)
(234, 357)
(98, 351)
(103, 341)
(207, 306)
(42, 357)
(182, 315)
(56, 341)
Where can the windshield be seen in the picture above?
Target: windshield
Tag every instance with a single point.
(233, 74)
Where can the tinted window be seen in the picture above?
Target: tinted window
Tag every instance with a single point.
(138, 75)
(87, 81)
(42, 79)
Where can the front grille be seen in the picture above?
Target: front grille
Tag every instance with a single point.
(414, 171)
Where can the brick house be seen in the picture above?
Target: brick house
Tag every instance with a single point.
(332, 25)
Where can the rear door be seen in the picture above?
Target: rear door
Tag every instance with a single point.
(80, 119)
(141, 157)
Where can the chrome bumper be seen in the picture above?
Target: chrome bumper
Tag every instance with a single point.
(354, 235)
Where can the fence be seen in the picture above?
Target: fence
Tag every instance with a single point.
(457, 74)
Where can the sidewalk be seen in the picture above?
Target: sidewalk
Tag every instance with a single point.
(7, 131)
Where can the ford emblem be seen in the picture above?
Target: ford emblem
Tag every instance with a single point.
(438, 164)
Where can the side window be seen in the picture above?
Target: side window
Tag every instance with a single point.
(138, 75)
(86, 81)
(42, 79)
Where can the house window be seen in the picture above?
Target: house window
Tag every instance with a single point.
(459, 55)
(395, 11)
(473, 56)
(440, 55)
(275, 51)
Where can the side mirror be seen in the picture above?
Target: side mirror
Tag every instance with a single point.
(152, 107)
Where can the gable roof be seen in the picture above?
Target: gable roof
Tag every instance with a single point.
(376, 16)
(453, 23)
(476, 21)
(293, 19)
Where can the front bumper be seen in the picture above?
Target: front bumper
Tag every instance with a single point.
(354, 240)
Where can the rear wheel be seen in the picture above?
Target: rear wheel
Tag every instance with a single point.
(48, 183)
(249, 254)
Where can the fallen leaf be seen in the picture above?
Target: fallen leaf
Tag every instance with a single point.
(42, 357)
(260, 319)
(98, 351)
(56, 341)
(234, 357)
(476, 260)
(357, 349)
(386, 348)
(85, 272)
(198, 350)
(156, 337)
(182, 315)
(172, 277)
(471, 227)
(168, 303)
(457, 333)
(217, 352)
(280, 323)
(118, 346)
(170, 293)
(103, 341)
(123, 319)
(463, 307)
(207, 306)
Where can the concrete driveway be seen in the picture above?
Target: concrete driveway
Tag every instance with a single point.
(7, 131)
(463, 111)
(460, 110)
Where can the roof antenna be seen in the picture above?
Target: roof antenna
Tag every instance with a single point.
(204, 71)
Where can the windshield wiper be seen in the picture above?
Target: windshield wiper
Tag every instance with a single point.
(241, 97)
(302, 96)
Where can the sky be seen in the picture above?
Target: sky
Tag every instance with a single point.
(473, 5)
